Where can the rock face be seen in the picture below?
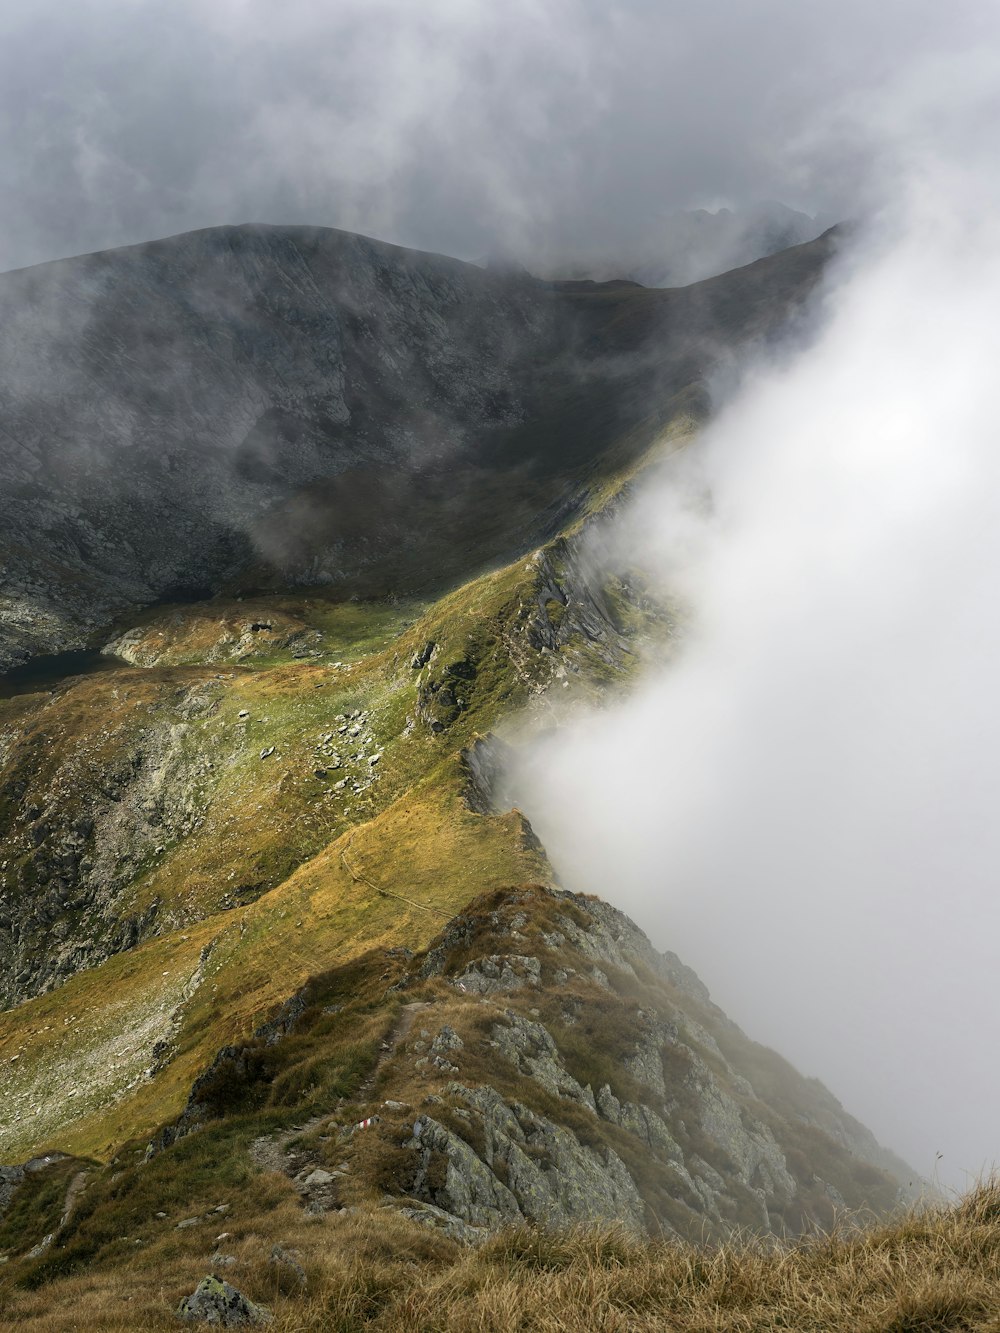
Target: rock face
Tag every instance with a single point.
(318, 404)
(86, 802)
(528, 1167)
(616, 1090)
(590, 1078)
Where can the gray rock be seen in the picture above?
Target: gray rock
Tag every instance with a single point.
(287, 1259)
(447, 1040)
(499, 973)
(318, 1178)
(214, 1301)
(548, 1176)
(529, 1046)
(469, 1190)
(436, 1218)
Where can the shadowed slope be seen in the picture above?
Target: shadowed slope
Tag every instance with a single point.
(299, 403)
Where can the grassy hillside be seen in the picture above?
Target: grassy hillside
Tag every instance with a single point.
(933, 1271)
(243, 874)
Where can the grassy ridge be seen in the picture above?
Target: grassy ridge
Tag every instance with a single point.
(935, 1270)
(270, 831)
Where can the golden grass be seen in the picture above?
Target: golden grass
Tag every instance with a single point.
(931, 1271)
(428, 849)
(309, 862)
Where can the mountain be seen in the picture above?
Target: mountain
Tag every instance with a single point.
(700, 243)
(302, 405)
(688, 247)
(280, 957)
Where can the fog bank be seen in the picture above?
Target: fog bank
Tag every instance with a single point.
(804, 803)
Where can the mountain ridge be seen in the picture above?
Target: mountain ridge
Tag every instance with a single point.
(250, 861)
(187, 412)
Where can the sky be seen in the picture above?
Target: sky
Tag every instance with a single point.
(547, 128)
(804, 803)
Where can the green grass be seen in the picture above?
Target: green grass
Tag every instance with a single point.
(273, 878)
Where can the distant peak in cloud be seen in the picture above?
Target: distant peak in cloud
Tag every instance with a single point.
(690, 245)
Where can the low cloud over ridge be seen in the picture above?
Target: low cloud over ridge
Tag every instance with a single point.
(804, 802)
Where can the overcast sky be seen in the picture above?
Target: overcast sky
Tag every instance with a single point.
(464, 126)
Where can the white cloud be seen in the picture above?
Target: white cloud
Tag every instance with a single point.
(806, 803)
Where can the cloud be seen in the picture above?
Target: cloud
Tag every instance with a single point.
(556, 127)
(803, 802)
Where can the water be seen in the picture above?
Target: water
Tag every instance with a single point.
(45, 673)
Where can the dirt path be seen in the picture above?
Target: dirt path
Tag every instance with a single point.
(272, 1151)
(360, 878)
(399, 1032)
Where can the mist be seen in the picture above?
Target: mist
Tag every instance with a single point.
(553, 130)
(801, 798)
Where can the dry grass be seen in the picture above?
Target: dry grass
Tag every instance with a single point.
(933, 1271)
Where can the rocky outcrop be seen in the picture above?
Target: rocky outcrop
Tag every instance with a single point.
(527, 1167)
(565, 1072)
(673, 1133)
(81, 820)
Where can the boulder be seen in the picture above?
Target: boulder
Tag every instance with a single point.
(214, 1301)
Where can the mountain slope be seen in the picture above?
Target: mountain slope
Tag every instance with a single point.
(302, 404)
(256, 883)
(540, 1062)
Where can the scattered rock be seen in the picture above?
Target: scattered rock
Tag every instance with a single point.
(283, 1258)
(447, 1040)
(38, 1250)
(319, 1190)
(499, 973)
(318, 1178)
(425, 654)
